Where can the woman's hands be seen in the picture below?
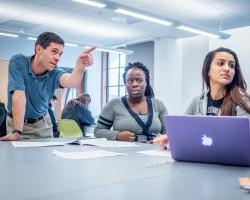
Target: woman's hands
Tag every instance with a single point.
(161, 140)
(126, 136)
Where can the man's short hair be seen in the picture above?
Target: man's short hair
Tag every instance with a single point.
(46, 38)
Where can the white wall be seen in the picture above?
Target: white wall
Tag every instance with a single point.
(94, 85)
(240, 43)
(177, 70)
(10, 46)
(168, 74)
(194, 50)
(144, 53)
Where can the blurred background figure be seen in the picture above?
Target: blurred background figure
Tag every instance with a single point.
(51, 110)
(77, 109)
(3, 113)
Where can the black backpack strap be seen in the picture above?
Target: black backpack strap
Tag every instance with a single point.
(145, 127)
(150, 117)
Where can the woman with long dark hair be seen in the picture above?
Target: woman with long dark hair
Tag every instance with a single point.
(226, 88)
(225, 92)
(136, 116)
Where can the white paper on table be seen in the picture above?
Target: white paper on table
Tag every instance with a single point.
(37, 144)
(86, 154)
(103, 142)
(156, 152)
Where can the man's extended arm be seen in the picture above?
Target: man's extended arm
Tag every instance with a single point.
(70, 80)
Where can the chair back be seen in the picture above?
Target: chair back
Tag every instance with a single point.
(69, 128)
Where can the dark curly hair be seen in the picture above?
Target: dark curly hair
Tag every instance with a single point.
(149, 90)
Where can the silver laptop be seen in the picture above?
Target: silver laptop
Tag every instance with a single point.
(209, 139)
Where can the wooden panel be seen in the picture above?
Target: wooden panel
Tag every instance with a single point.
(3, 80)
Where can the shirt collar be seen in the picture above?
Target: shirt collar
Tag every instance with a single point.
(30, 58)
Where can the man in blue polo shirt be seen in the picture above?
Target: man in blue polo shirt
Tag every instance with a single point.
(33, 81)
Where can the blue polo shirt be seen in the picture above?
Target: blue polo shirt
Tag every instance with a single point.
(38, 89)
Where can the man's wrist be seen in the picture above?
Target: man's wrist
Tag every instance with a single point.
(17, 131)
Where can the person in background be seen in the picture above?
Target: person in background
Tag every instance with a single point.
(77, 109)
(52, 116)
(137, 116)
(3, 114)
(226, 92)
(53, 103)
(32, 82)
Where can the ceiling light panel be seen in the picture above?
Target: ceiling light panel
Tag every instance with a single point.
(70, 44)
(9, 35)
(143, 17)
(72, 23)
(192, 30)
(31, 38)
(91, 3)
(112, 50)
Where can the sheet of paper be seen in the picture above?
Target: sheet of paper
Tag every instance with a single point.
(156, 152)
(103, 142)
(38, 144)
(86, 154)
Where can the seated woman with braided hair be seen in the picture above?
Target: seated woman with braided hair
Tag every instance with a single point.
(137, 116)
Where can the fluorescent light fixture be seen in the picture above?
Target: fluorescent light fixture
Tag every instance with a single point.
(9, 35)
(185, 28)
(144, 17)
(132, 42)
(31, 38)
(91, 3)
(70, 44)
(110, 50)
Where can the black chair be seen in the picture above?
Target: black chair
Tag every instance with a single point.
(3, 114)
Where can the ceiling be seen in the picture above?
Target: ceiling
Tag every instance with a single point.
(87, 25)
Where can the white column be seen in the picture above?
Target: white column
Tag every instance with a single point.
(177, 71)
(168, 74)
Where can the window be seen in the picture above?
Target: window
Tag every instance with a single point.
(115, 87)
(113, 68)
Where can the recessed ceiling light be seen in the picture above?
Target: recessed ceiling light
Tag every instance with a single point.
(31, 38)
(9, 35)
(91, 3)
(70, 44)
(185, 28)
(144, 17)
(111, 50)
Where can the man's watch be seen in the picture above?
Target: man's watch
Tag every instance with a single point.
(17, 131)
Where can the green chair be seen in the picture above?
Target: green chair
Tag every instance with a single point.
(69, 128)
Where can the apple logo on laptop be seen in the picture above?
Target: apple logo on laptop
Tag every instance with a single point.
(206, 141)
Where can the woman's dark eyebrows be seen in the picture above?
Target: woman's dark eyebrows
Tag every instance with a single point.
(221, 59)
